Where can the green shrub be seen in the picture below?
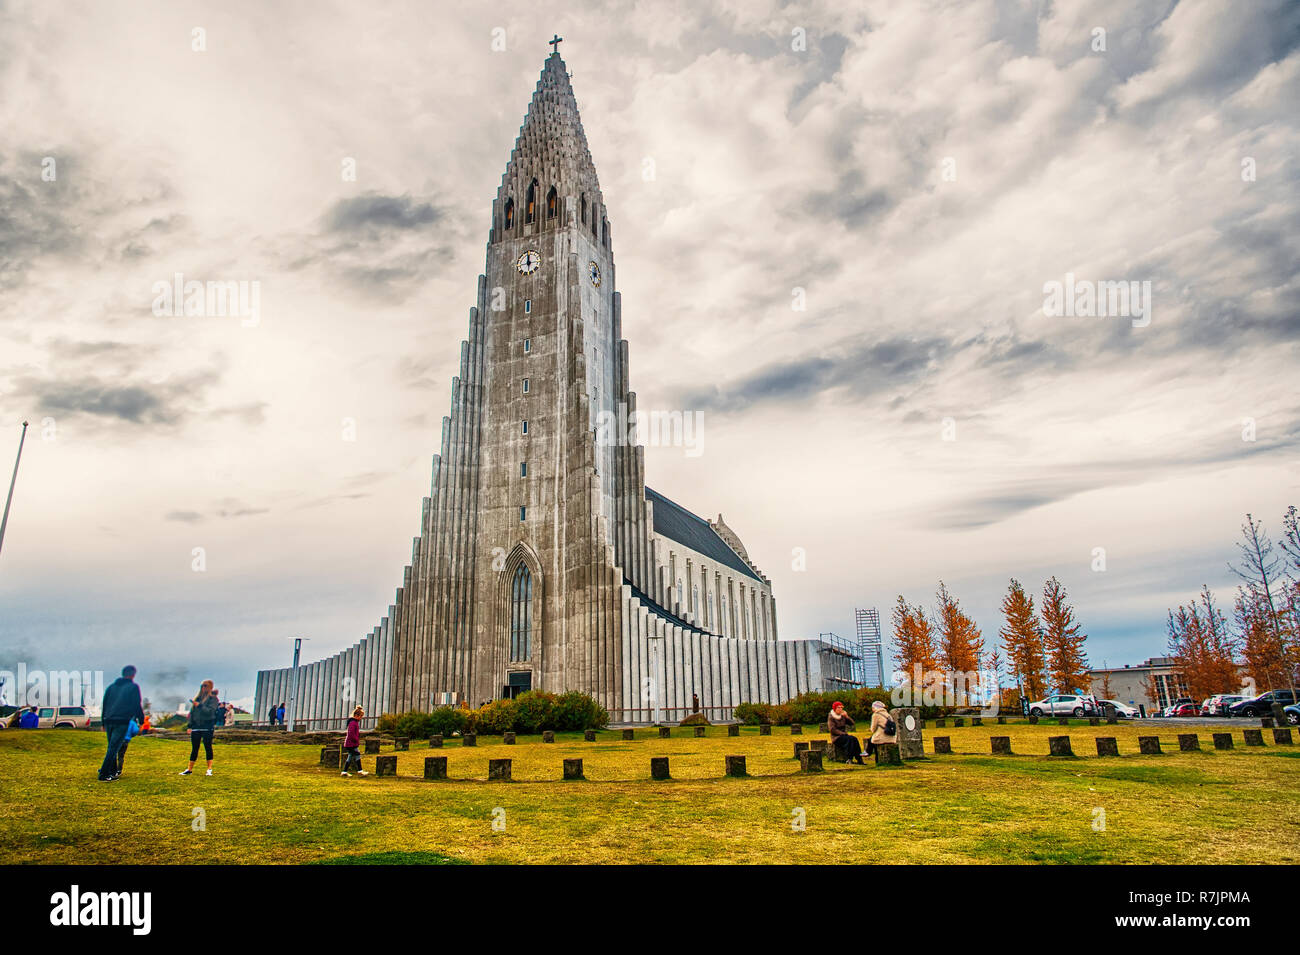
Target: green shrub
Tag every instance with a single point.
(578, 711)
(534, 712)
(751, 714)
(812, 708)
(495, 718)
(695, 719)
(387, 723)
(448, 721)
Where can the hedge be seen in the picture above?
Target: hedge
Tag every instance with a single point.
(813, 708)
(528, 713)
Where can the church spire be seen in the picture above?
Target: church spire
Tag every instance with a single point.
(550, 179)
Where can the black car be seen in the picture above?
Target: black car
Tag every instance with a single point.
(1262, 705)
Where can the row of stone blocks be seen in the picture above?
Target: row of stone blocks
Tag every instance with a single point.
(1148, 745)
(886, 754)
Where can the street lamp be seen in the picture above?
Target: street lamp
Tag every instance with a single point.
(292, 710)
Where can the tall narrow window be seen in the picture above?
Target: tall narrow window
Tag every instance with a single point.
(593, 220)
(604, 224)
(510, 213)
(528, 345)
(552, 203)
(525, 386)
(584, 210)
(530, 210)
(528, 305)
(521, 615)
(523, 469)
(525, 431)
(523, 513)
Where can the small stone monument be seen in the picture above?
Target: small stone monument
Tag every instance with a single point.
(1223, 741)
(1094, 721)
(736, 766)
(977, 721)
(1106, 746)
(1266, 722)
(1002, 721)
(435, 767)
(907, 726)
(372, 747)
(508, 739)
(810, 762)
(942, 744)
(699, 731)
(401, 744)
(1279, 713)
(821, 728)
(796, 729)
(665, 732)
(764, 729)
(385, 765)
(1149, 745)
(329, 756)
(548, 736)
(1033, 720)
(1062, 722)
(1282, 735)
(940, 722)
(659, 767)
(499, 769)
(800, 748)
(819, 745)
(589, 736)
(733, 729)
(887, 754)
(573, 769)
(1059, 746)
(469, 739)
(1188, 742)
(435, 741)
(629, 735)
(1253, 737)
(1001, 745)
(959, 721)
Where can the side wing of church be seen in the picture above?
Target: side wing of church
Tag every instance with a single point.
(543, 560)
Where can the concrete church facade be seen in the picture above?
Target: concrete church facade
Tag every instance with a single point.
(543, 560)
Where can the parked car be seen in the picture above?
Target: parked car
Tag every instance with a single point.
(1292, 714)
(1063, 704)
(64, 717)
(1261, 705)
(1186, 709)
(1219, 703)
(1172, 707)
(1122, 710)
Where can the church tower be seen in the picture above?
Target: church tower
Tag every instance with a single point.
(544, 562)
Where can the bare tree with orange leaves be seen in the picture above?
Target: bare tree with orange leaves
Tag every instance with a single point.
(1063, 639)
(913, 641)
(1022, 635)
(1200, 641)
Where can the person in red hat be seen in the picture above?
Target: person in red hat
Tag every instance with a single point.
(847, 746)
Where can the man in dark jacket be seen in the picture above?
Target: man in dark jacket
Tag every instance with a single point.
(121, 705)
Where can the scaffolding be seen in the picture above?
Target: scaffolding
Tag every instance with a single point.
(870, 647)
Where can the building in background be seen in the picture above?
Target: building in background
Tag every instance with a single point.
(1153, 684)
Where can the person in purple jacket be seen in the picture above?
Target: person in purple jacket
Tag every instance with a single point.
(352, 741)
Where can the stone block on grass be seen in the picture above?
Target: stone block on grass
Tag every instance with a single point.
(764, 729)
(329, 756)
(1188, 742)
(508, 739)
(629, 735)
(1223, 741)
(659, 767)
(942, 744)
(1000, 745)
(548, 736)
(1149, 745)
(810, 762)
(796, 729)
(940, 723)
(372, 747)
(1253, 737)
(1002, 721)
(800, 748)
(959, 721)
(589, 736)
(733, 729)
(887, 754)
(1282, 735)
(469, 739)
(573, 769)
(499, 770)
(385, 765)
(1107, 746)
(1059, 746)
(1033, 720)
(435, 741)
(976, 721)
(699, 731)
(1094, 721)
(435, 767)
(736, 766)
(402, 744)
(819, 745)
(1063, 721)
(665, 732)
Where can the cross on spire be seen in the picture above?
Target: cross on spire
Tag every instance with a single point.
(555, 42)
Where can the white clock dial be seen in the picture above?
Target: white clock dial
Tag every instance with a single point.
(593, 272)
(529, 261)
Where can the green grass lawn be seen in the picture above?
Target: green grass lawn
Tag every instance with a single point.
(273, 803)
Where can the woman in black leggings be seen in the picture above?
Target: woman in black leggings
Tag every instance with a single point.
(204, 710)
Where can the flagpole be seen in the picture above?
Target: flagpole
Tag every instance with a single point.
(12, 481)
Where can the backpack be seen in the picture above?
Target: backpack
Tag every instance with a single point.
(890, 728)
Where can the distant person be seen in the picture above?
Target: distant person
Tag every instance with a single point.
(146, 726)
(279, 713)
(695, 702)
(270, 716)
(847, 746)
(352, 742)
(30, 720)
(121, 705)
(230, 714)
(883, 729)
(203, 717)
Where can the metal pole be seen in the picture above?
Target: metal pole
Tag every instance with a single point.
(12, 481)
(292, 709)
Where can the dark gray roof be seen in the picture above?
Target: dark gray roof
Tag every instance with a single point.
(677, 523)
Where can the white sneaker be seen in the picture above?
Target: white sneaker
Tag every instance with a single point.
(209, 772)
(345, 774)
(362, 772)
(185, 772)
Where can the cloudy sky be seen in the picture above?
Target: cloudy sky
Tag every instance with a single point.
(919, 171)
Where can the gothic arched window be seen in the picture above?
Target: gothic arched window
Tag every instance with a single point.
(552, 203)
(584, 210)
(521, 615)
(510, 213)
(593, 220)
(530, 210)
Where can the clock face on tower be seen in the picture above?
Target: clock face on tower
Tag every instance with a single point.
(593, 272)
(529, 261)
